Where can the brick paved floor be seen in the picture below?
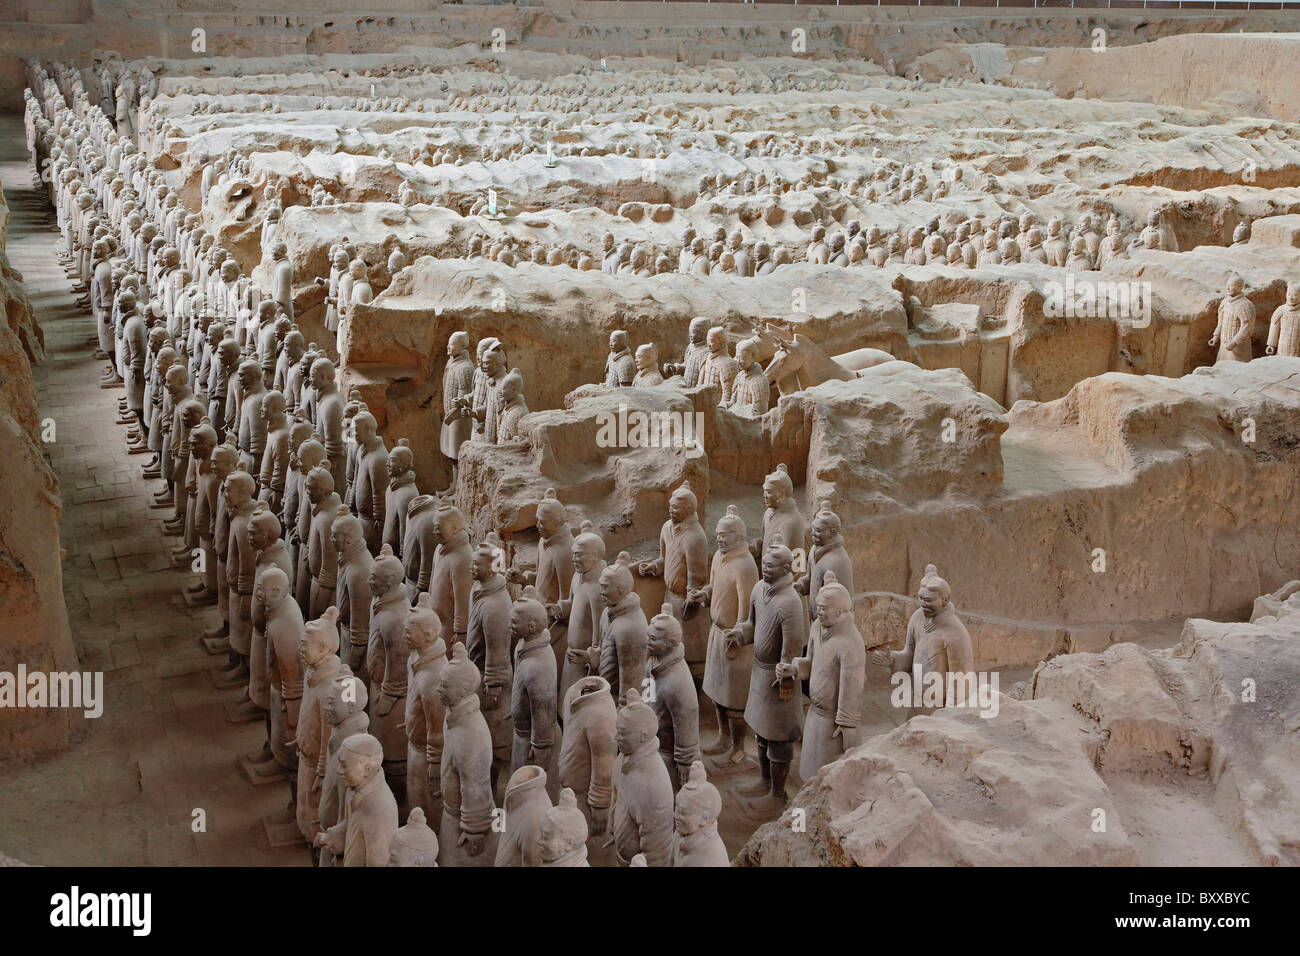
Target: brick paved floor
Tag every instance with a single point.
(125, 791)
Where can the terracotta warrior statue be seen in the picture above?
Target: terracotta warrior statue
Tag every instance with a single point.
(937, 641)
(488, 644)
(224, 462)
(282, 623)
(398, 494)
(264, 539)
(275, 453)
(1236, 324)
(319, 651)
(352, 591)
(322, 559)
(675, 700)
(562, 836)
(580, 612)
(345, 710)
(457, 384)
(620, 367)
(695, 822)
(365, 834)
(415, 844)
(526, 806)
(643, 814)
(424, 710)
(828, 554)
(241, 566)
(512, 408)
(486, 397)
(452, 576)
(389, 608)
(1284, 325)
(466, 835)
(733, 576)
(782, 516)
(622, 629)
(835, 667)
(533, 704)
(683, 563)
(776, 628)
(750, 391)
(420, 543)
(587, 750)
(329, 420)
(719, 368)
(371, 479)
(282, 278)
(554, 575)
(202, 486)
(696, 352)
(647, 367)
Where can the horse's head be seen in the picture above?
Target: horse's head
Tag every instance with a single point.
(786, 361)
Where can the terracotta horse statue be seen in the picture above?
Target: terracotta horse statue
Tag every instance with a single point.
(799, 363)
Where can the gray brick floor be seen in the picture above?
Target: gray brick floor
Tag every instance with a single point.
(125, 792)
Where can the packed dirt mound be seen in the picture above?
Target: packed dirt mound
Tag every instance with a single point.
(1253, 74)
(1184, 756)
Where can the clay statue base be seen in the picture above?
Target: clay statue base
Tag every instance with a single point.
(260, 773)
(244, 712)
(224, 679)
(204, 598)
(721, 765)
(762, 807)
(213, 645)
(281, 833)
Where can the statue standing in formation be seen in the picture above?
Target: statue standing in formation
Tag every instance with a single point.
(733, 577)
(1236, 324)
(643, 815)
(1284, 325)
(776, 629)
(683, 564)
(466, 836)
(937, 641)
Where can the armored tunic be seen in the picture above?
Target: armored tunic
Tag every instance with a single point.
(776, 628)
(467, 802)
(388, 614)
(643, 815)
(533, 709)
(424, 722)
(620, 368)
(587, 750)
(1236, 325)
(622, 645)
(457, 381)
(398, 496)
(369, 822)
(836, 670)
(582, 611)
(732, 578)
(450, 584)
(488, 646)
(677, 704)
(1284, 331)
